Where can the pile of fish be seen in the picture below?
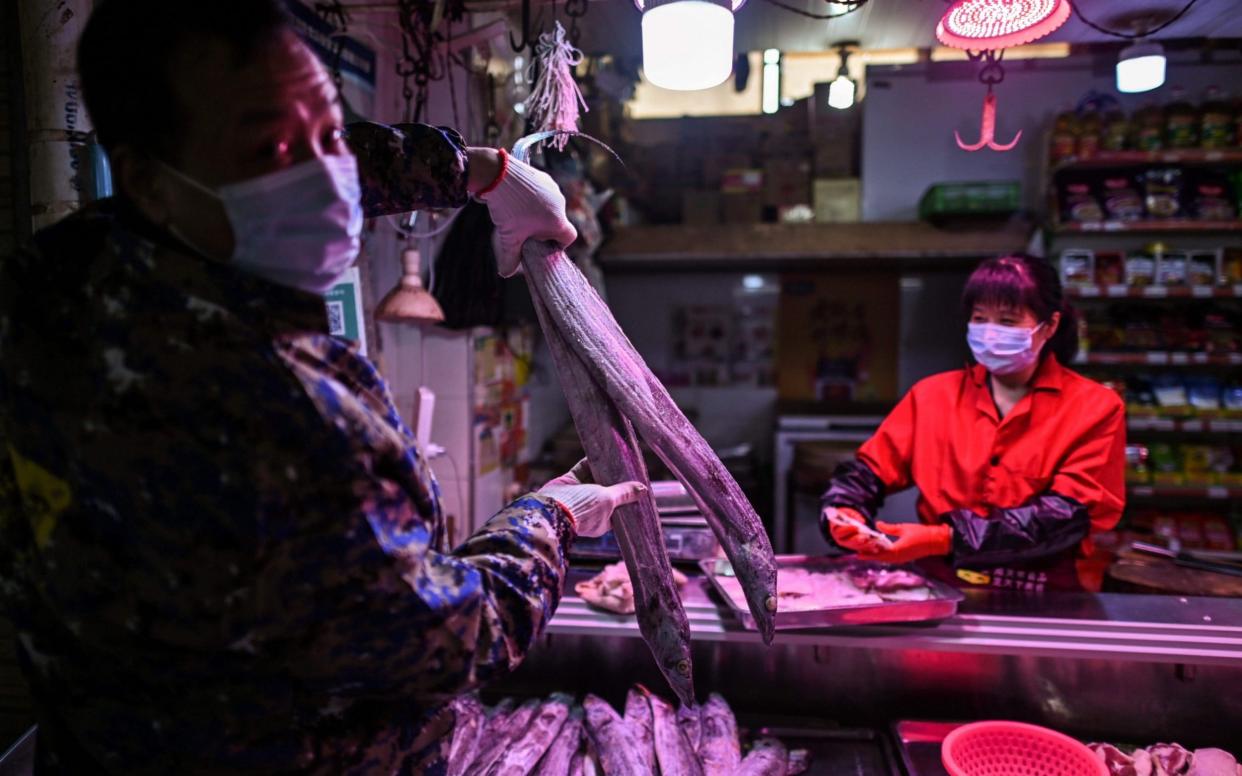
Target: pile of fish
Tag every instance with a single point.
(1167, 760)
(614, 399)
(556, 737)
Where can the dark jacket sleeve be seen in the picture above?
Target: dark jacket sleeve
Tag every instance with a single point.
(408, 167)
(853, 485)
(1047, 525)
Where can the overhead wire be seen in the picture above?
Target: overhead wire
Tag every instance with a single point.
(1130, 35)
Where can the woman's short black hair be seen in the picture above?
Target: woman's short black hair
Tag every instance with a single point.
(125, 56)
(1023, 281)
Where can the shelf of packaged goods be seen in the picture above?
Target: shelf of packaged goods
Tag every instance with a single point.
(1185, 425)
(1213, 492)
(1170, 225)
(1159, 358)
(1141, 158)
(1154, 292)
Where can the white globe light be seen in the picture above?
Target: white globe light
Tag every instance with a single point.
(687, 45)
(841, 93)
(1140, 68)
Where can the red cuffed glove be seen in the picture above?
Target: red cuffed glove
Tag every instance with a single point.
(914, 541)
(849, 530)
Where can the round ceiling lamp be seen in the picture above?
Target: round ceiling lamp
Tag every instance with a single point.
(687, 44)
(984, 25)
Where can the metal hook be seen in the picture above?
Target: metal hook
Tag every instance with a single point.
(526, 41)
(987, 129)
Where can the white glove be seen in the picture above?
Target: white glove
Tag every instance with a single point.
(591, 506)
(526, 204)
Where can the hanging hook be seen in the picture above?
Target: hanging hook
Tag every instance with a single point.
(519, 47)
(987, 129)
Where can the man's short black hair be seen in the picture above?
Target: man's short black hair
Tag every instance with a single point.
(125, 56)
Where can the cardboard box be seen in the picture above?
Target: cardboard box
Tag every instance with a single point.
(837, 200)
(700, 207)
(742, 208)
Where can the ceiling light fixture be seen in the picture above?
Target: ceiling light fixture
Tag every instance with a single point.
(771, 97)
(687, 44)
(996, 24)
(841, 90)
(1140, 67)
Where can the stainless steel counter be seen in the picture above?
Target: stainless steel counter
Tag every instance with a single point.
(1162, 629)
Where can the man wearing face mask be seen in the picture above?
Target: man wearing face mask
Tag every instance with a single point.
(219, 544)
(1017, 459)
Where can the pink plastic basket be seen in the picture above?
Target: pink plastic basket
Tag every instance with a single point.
(1016, 749)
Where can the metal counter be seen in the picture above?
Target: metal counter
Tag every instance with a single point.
(1105, 667)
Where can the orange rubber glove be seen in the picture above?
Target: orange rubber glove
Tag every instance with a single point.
(914, 541)
(849, 530)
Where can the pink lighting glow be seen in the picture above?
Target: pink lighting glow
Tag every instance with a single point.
(996, 24)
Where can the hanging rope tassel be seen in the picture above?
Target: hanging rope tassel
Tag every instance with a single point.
(555, 100)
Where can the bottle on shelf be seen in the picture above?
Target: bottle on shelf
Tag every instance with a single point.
(1182, 121)
(1217, 130)
(1148, 127)
(1090, 129)
(1115, 135)
(1065, 130)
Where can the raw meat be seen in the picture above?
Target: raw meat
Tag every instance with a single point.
(1213, 762)
(612, 590)
(1173, 759)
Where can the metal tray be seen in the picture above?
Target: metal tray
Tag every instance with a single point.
(943, 602)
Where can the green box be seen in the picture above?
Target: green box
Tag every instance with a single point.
(996, 198)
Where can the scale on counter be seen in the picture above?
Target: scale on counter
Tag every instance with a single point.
(687, 537)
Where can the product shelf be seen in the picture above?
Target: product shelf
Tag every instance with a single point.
(1159, 358)
(1122, 291)
(1144, 158)
(1212, 492)
(1169, 225)
(1184, 425)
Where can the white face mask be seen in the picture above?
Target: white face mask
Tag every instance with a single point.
(300, 226)
(1003, 350)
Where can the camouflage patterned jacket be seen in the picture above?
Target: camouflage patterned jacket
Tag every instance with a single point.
(219, 545)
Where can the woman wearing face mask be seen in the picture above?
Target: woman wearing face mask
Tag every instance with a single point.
(1018, 460)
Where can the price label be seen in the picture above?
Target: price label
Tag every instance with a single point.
(1118, 289)
(1217, 491)
(1156, 292)
(1088, 291)
(1157, 357)
(1179, 358)
(1192, 425)
(1202, 292)
(1164, 425)
(1144, 491)
(1199, 358)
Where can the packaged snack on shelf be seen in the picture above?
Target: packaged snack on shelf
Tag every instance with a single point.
(1203, 395)
(1222, 334)
(1140, 397)
(1182, 121)
(1171, 396)
(1078, 201)
(1218, 120)
(1223, 462)
(1190, 530)
(1140, 269)
(1231, 266)
(1202, 267)
(1122, 197)
(1231, 400)
(1077, 267)
(1137, 468)
(1171, 269)
(1232, 476)
(1166, 464)
(1211, 198)
(1163, 192)
(1090, 126)
(1110, 268)
(1197, 464)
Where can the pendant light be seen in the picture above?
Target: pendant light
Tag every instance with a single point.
(687, 44)
(841, 90)
(997, 24)
(409, 302)
(1140, 67)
